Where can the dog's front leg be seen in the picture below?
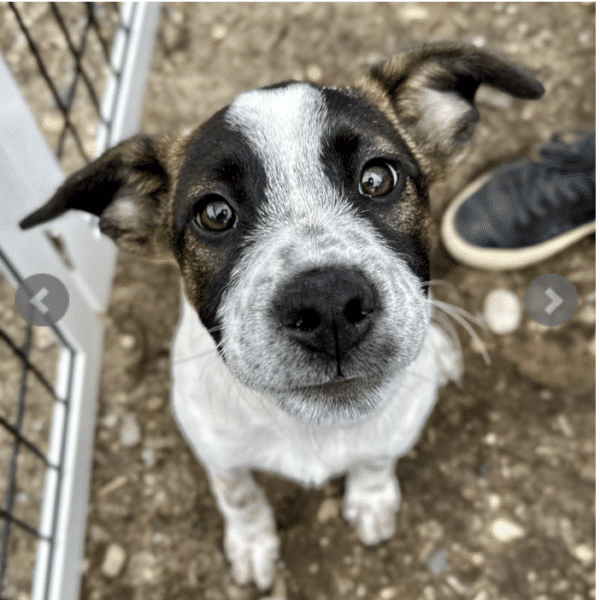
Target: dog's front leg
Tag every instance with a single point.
(372, 499)
(251, 542)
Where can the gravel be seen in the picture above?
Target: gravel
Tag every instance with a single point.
(501, 483)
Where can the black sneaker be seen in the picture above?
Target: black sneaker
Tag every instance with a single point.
(526, 211)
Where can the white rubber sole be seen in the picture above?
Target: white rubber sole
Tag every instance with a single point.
(501, 259)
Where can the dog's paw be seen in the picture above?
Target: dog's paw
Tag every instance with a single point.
(372, 512)
(253, 555)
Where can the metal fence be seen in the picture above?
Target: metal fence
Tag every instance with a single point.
(80, 68)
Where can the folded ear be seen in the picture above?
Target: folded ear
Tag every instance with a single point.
(127, 187)
(431, 90)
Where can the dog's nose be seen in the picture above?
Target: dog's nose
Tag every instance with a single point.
(328, 310)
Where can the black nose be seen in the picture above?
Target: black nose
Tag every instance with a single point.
(327, 310)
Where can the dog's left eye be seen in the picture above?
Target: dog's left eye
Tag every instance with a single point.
(215, 214)
(378, 178)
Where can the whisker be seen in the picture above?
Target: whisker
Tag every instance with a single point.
(417, 375)
(442, 319)
(201, 354)
(461, 311)
(440, 282)
(460, 316)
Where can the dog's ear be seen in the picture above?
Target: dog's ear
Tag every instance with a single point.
(127, 188)
(430, 91)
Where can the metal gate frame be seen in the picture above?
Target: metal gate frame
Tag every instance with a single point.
(30, 173)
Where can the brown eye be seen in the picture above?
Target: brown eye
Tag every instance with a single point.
(216, 215)
(378, 179)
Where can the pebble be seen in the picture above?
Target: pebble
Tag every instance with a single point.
(314, 73)
(584, 554)
(114, 559)
(127, 341)
(411, 12)
(218, 33)
(502, 311)
(110, 421)
(144, 567)
(131, 432)
(112, 486)
(155, 403)
(494, 501)
(148, 457)
(388, 593)
(437, 561)
(506, 531)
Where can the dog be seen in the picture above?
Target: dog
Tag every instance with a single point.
(298, 217)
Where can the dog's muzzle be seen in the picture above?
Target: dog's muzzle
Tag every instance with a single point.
(329, 311)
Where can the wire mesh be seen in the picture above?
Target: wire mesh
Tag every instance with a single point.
(60, 56)
(28, 359)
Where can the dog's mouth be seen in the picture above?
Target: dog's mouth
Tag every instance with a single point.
(336, 385)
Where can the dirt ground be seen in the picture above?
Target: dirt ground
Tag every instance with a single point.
(498, 494)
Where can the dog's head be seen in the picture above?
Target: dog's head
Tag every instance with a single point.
(298, 216)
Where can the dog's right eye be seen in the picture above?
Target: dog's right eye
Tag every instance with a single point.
(214, 214)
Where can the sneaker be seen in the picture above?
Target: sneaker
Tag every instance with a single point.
(525, 212)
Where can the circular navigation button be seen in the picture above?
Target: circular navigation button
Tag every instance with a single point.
(42, 299)
(551, 300)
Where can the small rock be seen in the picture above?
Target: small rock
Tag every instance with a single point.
(388, 593)
(155, 403)
(131, 432)
(506, 531)
(148, 457)
(144, 568)
(584, 554)
(412, 12)
(112, 486)
(114, 559)
(127, 341)
(502, 311)
(495, 501)
(218, 33)
(314, 74)
(437, 561)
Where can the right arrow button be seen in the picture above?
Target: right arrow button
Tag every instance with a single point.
(556, 301)
(562, 295)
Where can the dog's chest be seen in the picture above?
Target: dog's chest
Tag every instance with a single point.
(228, 425)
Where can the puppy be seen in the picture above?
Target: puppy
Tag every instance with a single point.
(298, 217)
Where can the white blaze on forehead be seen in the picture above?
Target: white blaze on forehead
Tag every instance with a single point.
(284, 127)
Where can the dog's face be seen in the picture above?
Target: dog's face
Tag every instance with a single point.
(311, 209)
(298, 217)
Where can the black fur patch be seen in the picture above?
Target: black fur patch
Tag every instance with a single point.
(219, 161)
(348, 145)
